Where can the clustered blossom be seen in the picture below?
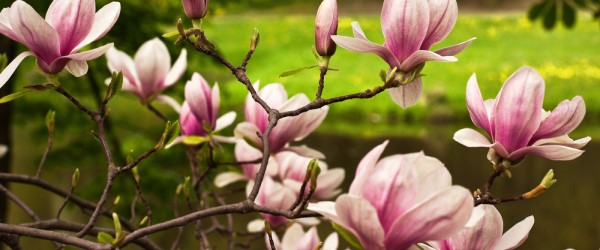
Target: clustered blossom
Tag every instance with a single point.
(288, 129)
(518, 125)
(410, 28)
(486, 233)
(198, 115)
(326, 24)
(149, 72)
(399, 201)
(56, 40)
(295, 238)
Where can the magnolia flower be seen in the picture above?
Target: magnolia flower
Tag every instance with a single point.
(56, 40)
(410, 28)
(149, 72)
(292, 170)
(487, 233)
(399, 201)
(195, 9)
(273, 195)
(326, 24)
(294, 238)
(288, 129)
(518, 125)
(3, 150)
(199, 112)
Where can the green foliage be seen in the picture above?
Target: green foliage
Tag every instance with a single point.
(347, 235)
(553, 11)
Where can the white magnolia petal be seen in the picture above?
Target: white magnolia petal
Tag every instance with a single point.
(407, 95)
(12, 66)
(225, 120)
(169, 101)
(226, 178)
(77, 68)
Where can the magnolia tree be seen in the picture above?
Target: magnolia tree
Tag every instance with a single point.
(399, 201)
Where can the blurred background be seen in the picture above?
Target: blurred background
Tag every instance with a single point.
(562, 43)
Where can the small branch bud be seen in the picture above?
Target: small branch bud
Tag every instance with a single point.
(254, 40)
(50, 120)
(75, 178)
(180, 28)
(546, 183)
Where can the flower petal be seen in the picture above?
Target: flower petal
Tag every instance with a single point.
(407, 95)
(58, 64)
(552, 152)
(359, 217)
(442, 17)
(152, 61)
(477, 109)
(104, 20)
(119, 61)
(471, 138)
(432, 175)
(72, 20)
(33, 31)
(9, 70)
(177, 70)
(309, 241)
(328, 182)
(225, 120)
(436, 218)
(564, 141)
(247, 131)
(404, 25)
(331, 242)
(485, 234)
(305, 151)
(357, 31)
(291, 237)
(365, 166)
(516, 113)
(422, 56)
(77, 68)
(256, 226)
(516, 235)
(563, 119)
(3, 150)
(226, 178)
(169, 101)
(365, 46)
(5, 27)
(454, 49)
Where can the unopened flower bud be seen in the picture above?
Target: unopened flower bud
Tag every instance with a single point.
(195, 9)
(326, 24)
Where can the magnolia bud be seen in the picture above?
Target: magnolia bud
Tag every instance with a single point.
(326, 24)
(195, 9)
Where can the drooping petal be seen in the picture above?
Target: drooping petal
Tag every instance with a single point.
(454, 49)
(331, 242)
(77, 68)
(291, 237)
(357, 31)
(485, 234)
(365, 46)
(564, 140)
(328, 182)
(563, 119)
(442, 17)
(33, 31)
(422, 56)
(72, 20)
(516, 235)
(359, 217)
(552, 152)
(516, 113)
(104, 20)
(167, 100)
(366, 166)
(59, 64)
(12, 66)
(391, 188)
(436, 218)
(152, 61)
(404, 25)
(407, 95)
(226, 178)
(471, 138)
(309, 241)
(177, 70)
(305, 151)
(477, 110)
(225, 120)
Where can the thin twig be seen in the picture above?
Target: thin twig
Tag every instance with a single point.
(38, 174)
(53, 236)
(321, 81)
(156, 112)
(19, 203)
(64, 204)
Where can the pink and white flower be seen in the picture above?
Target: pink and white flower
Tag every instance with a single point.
(399, 201)
(518, 125)
(195, 9)
(326, 25)
(55, 41)
(295, 238)
(198, 115)
(486, 233)
(288, 129)
(149, 72)
(410, 28)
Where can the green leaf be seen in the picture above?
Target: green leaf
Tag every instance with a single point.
(349, 237)
(50, 120)
(569, 15)
(535, 11)
(296, 71)
(115, 85)
(171, 34)
(118, 229)
(14, 96)
(550, 18)
(105, 238)
(193, 140)
(173, 132)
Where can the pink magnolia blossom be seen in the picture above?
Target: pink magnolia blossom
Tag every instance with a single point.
(487, 233)
(399, 201)
(274, 195)
(410, 28)
(295, 238)
(292, 170)
(198, 115)
(195, 9)
(326, 24)
(149, 72)
(288, 129)
(518, 125)
(56, 40)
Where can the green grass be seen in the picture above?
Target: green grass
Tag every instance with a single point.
(567, 59)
